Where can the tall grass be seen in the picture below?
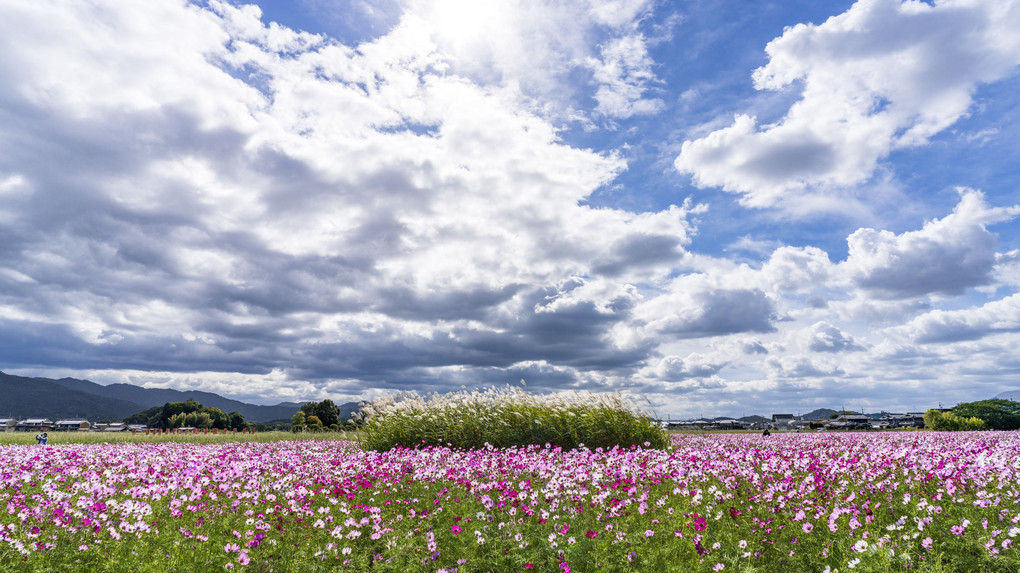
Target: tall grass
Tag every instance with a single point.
(507, 417)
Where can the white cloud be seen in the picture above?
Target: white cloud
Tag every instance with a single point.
(279, 211)
(882, 76)
(536, 45)
(332, 209)
(797, 269)
(824, 337)
(799, 367)
(678, 368)
(945, 257)
(940, 326)
(696, 307)
(623, 73)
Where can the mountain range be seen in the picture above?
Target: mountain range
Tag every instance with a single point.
(22, 397)
(1009, 395)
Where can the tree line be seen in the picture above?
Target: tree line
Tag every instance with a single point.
(188, 414)
(995, 414)
(319, 417)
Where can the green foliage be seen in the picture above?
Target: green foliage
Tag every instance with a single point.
(187, 414)
(190, 420)
(950, 422)
(148, 417)
(235, 420)
(314, 423)
(507, 418)
(326, 411)
(998, 414)
(298, 421)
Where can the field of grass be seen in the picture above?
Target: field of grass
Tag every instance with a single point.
(58, 438)
(792, 502)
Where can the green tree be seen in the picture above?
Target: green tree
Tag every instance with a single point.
(235, 420)
(298, 421)
(326, 411)
(998, 414)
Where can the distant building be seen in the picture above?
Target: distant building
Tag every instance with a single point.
(114, 427)
(34, 425)
(851, 421)
(782, 419)
(8, 424)
(908, 420)
(71, 426)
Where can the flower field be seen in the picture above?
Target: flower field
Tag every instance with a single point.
(920, 501)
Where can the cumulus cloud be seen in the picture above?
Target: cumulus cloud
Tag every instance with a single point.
(694, 308)
(884, 75)
(676, 368)
(797, 269)
(189, 188)
(191, 196)
(945, 257)
(799, 367)
(824, 337)
(942, 326)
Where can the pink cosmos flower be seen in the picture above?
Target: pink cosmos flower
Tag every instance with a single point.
(807, 527)
(456, 529)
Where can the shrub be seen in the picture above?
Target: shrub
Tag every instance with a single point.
(507, 417)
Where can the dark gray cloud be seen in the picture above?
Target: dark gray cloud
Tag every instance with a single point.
(639, 251)
(709, 312)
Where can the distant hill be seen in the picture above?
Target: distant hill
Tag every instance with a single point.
(819, 414)
(753, 419)
(1009, 395)
(71, 398)
(44, 398)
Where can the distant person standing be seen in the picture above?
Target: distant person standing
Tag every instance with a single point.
(41, 439)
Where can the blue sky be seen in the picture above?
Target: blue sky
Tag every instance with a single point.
(722, 208)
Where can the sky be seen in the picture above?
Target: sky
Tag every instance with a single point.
(715, 208)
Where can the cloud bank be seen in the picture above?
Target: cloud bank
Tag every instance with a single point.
(193, 196)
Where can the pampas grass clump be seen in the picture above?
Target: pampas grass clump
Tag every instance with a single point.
(507, 417)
